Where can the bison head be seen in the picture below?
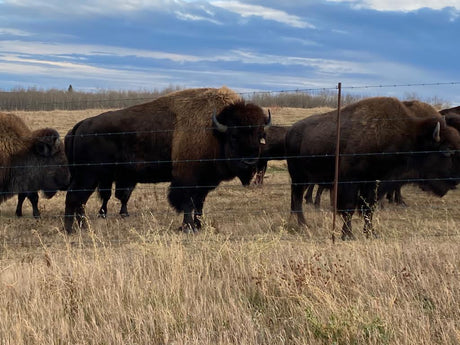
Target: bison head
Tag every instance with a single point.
(240, 128)
(439, 162)
(50, 163)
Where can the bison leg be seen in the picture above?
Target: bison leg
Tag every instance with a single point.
(123, 193)
(297, 191)
(347, 233)
(33, 198)
(398, 197)
(319, 192)
(76, 197)
(309, 194)
(198, 202)
(347, 198)
(105, 192)
(390, 196)
(21, 198)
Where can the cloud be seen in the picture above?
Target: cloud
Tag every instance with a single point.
(14, 32)
(92, 7)
(246, 10)
(51, 49)
(402, 5)
(187, 16)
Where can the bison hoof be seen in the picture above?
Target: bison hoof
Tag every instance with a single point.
(372, 234)
(124, 215)
(348, 236)
(188, 229)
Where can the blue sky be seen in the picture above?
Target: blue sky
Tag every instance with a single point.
(246, 45)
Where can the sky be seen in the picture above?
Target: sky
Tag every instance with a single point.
(246, 45)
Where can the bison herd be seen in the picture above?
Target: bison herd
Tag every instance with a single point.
(197, 138)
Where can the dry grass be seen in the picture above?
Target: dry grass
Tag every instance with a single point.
(249, 277)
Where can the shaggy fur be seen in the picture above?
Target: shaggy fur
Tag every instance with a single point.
(176, 132)
(374, 125)
(27, 159)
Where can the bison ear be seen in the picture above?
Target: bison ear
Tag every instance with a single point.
(47, 143)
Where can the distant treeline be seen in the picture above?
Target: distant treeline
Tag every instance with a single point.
(33, 99)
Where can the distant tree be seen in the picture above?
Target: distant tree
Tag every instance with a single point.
(70, 89)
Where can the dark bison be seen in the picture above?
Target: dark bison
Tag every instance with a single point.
(30, 161)
(272, 150)
(193, 138)
(394, 195)
(382, 140)
(450, 111)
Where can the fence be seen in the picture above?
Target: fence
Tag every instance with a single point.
(260, 99)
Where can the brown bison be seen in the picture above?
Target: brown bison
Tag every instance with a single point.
(452, 117)
(193, 138)
(383, 140)
(30, 161)
(450, 111)
(272, 150)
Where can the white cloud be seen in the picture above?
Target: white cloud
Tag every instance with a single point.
(51, 49)
(14, 32)
(91, 7)
(187, 16)
(246, 10)
(402, 5)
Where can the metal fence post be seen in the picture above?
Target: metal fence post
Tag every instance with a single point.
(337, 156)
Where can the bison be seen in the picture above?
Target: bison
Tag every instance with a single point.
(383, 140)
(193, 138)
(273, 150)
(30, 161)
(452, 116)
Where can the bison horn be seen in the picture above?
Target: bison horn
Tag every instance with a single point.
(436, 132)
(269, 121)
(220, 127)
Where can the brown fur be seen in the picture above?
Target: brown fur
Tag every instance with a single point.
(384, 119)
(39, 154)
(13, 140)
(454, 110)
(192, 128)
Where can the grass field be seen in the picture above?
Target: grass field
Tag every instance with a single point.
(249, 277)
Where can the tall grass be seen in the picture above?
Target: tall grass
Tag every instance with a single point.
(209, 289)
(249, 277)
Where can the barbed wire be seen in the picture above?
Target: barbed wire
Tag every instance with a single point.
(154, 185)
(229, 159)
(241, 93)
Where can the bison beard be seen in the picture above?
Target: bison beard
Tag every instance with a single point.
(414, 139)
(174, 138)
